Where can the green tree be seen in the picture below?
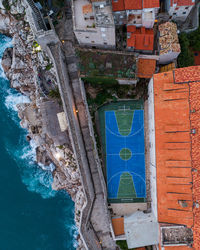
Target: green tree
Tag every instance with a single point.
(186, 57)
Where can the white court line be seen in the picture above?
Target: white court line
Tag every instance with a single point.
(121, 136)
(120, 172)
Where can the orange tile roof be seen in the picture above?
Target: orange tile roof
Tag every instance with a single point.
(118, 6)
(191, 74)
(87, 8)
(146, 68)
(177, 248)
(141, 38)
(195, 123)
(118, 226)
(182, 2)
(151, 3)
(133, 4)
(121, 5)
(131, 28)
(177, 112)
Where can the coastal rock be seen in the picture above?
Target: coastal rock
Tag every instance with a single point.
(4, 24)
(7, 59)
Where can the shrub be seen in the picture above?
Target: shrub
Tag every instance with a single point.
(49, 66)
(6, 5)
(54, 93)
(186, 57)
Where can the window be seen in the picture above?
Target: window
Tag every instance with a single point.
(174, 14)
(87, 37)
(105, 43)
(184, 13)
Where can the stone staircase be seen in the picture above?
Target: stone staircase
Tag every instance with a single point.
(37, 15)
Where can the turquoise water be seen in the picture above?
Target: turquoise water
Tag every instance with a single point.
(32, 215)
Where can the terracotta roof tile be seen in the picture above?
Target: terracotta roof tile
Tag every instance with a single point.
(118, 5)
(133, 4)
(172, 129)
(151, 4)
(182, 2)
(174, 168)
(177, 248)
(140, 38)
(195, 123)
(185, 2)
(87, 8)
(168, 40)
(146, 68)
(118, 226)
(190, 75)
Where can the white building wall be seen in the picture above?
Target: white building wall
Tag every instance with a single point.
(179, 12)
(148, 18)
(168, 57)
(152, 149)
(99, 37)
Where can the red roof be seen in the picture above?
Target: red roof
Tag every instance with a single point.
(133, 4)
(146, 68)
(118, 6)
(183, 2)
(177, 113)
(140, 38)
(151, 4)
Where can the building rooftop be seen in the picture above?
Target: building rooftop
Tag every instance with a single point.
(151, 4)
(168, 40)
(87, 15)
(177, 116)
(118, 226)
(182, 2)
(146, 68)
(103, 15)
(83, 15)
(120, 5)
(141, 229)
(140, 38)
(133, 5)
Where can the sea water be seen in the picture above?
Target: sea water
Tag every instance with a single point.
(32, 215)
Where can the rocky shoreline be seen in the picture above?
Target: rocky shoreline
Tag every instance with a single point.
(22, 65)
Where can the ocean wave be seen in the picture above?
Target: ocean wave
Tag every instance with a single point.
(33, 176)
(12, 99)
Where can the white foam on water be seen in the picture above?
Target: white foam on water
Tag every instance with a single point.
(12, 99)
